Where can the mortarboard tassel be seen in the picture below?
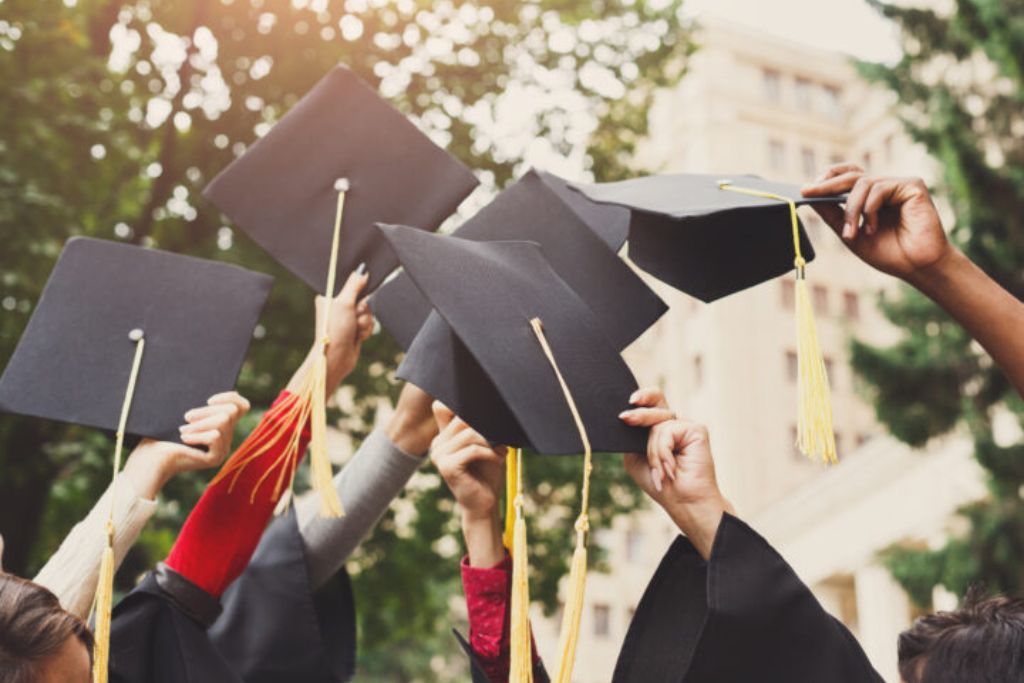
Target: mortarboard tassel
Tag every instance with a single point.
(570, 629)
(308, 403)
(104, 601)
(521, 657)
(511, 489)
(815, 435)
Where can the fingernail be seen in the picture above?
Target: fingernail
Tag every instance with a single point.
(635, 396)
(847, 231)
(656, 478)
(625, 415)
(361, 270)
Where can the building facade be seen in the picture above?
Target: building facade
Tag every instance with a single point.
(756, 104)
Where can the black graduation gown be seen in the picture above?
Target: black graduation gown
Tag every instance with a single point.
(742, 616)
(540, 675)
(268, 626)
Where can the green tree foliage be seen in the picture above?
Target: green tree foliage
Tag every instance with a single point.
(115, 113)
(960, 88)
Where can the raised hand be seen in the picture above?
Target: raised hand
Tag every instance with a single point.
(475, 473)
(691, 497)
(890, 223)
(350, 324)
(651, 409)
(153, 463)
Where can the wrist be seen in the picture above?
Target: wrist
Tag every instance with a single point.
(936, 277)
(149, 470)
(700, 520)
(411, 430)
(482, 532)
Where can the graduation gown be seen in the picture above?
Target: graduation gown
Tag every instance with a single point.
(268, 626)
(742, 616)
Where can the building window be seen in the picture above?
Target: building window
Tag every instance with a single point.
(804, 96)
(777, 155)
(851, 306)
(792, 366)
(862, 439)
(830, 371)
(602, 620)
(788, 294)
(808, 162)
(772, 81)
(836, 158)
(630, 613)
(698, 372)
(888, 145)
(839, 444)
(833, 103)
(820, 300)
(867, 161)
(634, 546)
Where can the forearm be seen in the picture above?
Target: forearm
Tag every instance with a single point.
(376, 474)
(987, 311)
(482, 532)
(73, 571)
(700, 522)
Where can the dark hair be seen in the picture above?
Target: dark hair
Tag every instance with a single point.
(982, 641)
(33, 627)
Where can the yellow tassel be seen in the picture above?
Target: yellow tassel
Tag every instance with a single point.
(103, 606)
(511, 491)
(570, 632)
(815, 435)
(308, 403)
(103, 601)
(573, 606)
(521, 657)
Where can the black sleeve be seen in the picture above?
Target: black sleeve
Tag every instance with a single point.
(742, 616)
(274, 627)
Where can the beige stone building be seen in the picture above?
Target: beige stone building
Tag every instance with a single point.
(756, 104)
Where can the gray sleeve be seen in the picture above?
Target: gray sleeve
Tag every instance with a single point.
(377, 473)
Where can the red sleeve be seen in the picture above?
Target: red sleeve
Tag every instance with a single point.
(222, 531)
(488, 603)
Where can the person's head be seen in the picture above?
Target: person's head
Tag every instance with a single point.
(981, 641)
(39, 641)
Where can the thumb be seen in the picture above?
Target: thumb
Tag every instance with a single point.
(354, 286)
(442, 414)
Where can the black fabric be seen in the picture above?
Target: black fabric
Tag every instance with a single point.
(275, 627)
(540, 674)
(73, 361)
(702, 239)
(282, 190)
(272, 628)
(192, 600)
(536, 209)
(608, 221)
(488, 292)
(760, 622)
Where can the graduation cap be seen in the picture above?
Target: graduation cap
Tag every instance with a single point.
(714, 235)
(310, 191)
(538, 347)
(542, 208)
(127, 339)
(341, 146)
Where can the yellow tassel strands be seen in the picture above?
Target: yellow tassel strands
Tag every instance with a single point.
(570, 629)
(815, 435)
(103, 602)
(308, 403)
(521, 657)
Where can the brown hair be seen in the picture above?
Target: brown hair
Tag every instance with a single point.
(981, 641)
(33, 627)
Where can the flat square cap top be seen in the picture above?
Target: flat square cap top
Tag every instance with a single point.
(283, 191)
(73, 361)
(487, 293)
(623, 305)
(705, 239)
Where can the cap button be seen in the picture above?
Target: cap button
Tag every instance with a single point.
(136, 334)
(341, 185)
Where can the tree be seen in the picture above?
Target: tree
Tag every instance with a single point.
(960, 87)
(117, 112)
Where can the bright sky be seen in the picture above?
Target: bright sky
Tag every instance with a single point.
(849, 26)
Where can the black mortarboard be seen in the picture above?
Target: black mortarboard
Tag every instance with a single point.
(283, 190)
(609, 221)
(533, 210)
(488, 293)
(74, 359)
(705, 239)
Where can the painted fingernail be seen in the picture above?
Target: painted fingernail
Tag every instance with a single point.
(625, 416)
(361, 270)
(635, 396)
(847, 231)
